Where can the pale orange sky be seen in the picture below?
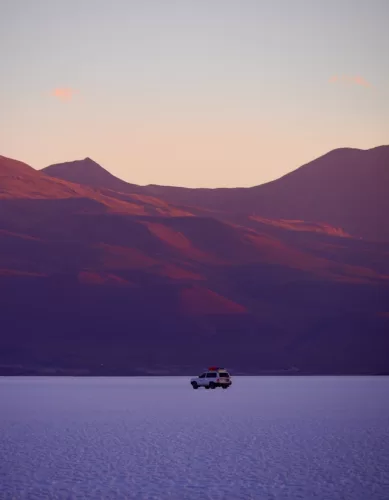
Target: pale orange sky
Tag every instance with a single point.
(191, 93)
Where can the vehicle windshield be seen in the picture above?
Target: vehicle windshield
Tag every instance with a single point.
(224, 375)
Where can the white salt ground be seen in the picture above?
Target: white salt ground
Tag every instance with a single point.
(270, 438)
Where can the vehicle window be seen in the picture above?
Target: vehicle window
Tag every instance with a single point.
(202, 375)
(211, 375)
(224, 374)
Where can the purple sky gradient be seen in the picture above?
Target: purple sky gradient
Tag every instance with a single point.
(192, 93)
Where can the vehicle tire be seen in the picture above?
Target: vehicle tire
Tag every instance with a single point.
(195, 385)
(212, 385)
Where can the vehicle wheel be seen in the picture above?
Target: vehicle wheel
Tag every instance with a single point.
(212, 385)
(194, 385)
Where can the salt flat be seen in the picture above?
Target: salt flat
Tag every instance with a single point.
(267, 438)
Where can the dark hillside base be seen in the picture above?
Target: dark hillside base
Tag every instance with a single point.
(54, 325)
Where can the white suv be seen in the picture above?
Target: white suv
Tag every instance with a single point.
(214, 377)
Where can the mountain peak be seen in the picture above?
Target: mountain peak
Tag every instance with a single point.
(88, 172)
(89, 161)
(85, 171)
(86, 162)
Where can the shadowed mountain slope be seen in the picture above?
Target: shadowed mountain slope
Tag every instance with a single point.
(109, 282)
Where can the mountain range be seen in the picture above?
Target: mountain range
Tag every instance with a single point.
(345, 188)
(99, 276)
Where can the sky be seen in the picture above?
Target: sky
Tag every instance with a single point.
(198, 93)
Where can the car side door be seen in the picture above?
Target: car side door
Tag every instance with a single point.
(211, 377)
(202, 380)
